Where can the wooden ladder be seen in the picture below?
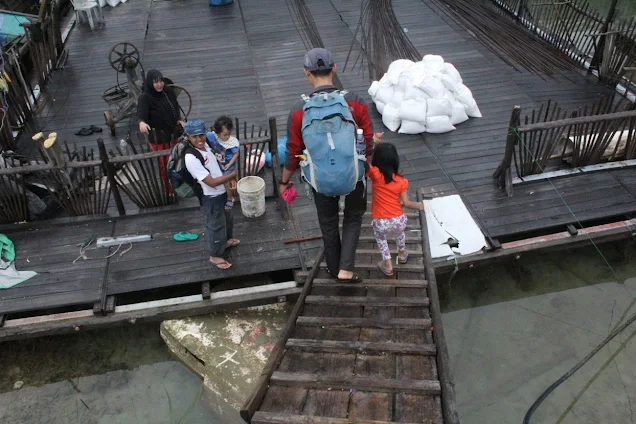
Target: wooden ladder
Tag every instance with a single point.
(361, 353)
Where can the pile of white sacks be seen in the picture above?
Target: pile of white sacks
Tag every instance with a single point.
(427, 96)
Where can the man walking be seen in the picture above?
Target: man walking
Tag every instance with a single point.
(330, 136)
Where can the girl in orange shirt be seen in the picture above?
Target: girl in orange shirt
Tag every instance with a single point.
(388, 189)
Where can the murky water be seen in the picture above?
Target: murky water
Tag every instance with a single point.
(122, 375)
(515, 328)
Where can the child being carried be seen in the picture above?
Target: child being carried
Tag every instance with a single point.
(226, 150)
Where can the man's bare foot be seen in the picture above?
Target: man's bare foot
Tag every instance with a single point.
(220, 263)
(232, 243)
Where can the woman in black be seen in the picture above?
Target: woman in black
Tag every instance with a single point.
(159, 115)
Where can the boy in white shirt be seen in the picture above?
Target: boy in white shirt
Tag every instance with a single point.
(203, 167)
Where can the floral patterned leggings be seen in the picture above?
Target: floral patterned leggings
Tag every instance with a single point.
(391, 226)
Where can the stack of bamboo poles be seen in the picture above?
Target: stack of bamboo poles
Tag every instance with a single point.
(305, 24)
(381, 37)
(507, 38)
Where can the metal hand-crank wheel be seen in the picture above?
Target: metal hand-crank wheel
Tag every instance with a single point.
(119, 51)
(177, 90)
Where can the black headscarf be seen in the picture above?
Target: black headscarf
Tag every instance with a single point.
(160, 110)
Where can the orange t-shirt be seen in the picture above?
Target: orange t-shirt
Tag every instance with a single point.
(386, 197)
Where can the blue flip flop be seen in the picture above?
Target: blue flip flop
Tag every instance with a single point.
(185, 237)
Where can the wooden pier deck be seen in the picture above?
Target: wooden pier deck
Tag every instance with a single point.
(361, 353)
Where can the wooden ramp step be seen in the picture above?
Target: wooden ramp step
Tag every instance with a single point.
(414, 239)
(326, 282)
(343, 322)
(345, 382)
(413, 253)
(280, 418)
(410, 215)
(374, 267)
(366, 301)
(334, 346)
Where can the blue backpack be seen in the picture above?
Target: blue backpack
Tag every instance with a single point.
(333, 166)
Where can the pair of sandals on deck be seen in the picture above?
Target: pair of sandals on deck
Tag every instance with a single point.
(223, 264)
(89, 130)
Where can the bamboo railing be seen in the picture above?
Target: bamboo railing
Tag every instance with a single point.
(550, 140)
(82, 181)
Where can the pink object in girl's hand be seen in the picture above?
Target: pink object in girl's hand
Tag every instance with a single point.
(289, 195)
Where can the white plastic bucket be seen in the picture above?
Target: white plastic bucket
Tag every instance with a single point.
(251, 191)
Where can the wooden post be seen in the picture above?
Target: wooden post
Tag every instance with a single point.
(599, 52)
(110, 174)
(503, 172)
(54, 151)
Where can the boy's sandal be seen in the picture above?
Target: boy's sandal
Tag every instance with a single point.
(229, 205)
(355, 279)
(232, 243)
(221, 265)
(386, 271)
(403, 259)
(185, 236)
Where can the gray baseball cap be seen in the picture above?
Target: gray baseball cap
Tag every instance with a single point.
(318, 60)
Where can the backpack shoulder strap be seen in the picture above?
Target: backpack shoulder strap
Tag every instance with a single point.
(194, 152)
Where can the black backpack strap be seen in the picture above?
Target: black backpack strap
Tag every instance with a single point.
(196, 187)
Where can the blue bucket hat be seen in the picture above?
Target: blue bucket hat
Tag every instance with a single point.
(195, 127)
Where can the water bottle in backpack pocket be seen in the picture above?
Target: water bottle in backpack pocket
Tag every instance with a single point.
(333, 166)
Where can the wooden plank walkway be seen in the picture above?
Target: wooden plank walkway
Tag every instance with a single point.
(360, 353)
(246, 61)
(160, 263)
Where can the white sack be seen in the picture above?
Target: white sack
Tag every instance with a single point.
(412, 110)
(416, 94)
(449, 83)
(438, 107)
(113, 3)
(450, 70)
(380, 107)
(405, 82)
(449, 96)
(384, 94)
(459, 113)
(433, 63)
(373, 90)
(396, 68)
(438, 124)
(433, 87)
(473, 111)
(390, 118)
(397, 98)
(412, 127)
(464, 95)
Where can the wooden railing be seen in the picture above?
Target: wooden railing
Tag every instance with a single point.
(43, 42)
(598, 42)
(550, 141)
(82, 182)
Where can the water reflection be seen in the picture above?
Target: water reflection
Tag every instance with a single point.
(514, 328)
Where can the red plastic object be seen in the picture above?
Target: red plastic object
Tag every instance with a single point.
(290, 194)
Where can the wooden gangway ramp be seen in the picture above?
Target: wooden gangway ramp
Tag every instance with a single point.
(361, 353)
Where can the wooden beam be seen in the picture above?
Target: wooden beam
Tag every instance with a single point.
(346, 382)
(588, 169)
(335, 346)
(341, 322)
(325, 282)
(254, 400)
(449, 402)
(279, 418)
(374, 267)
(366, 301)
(411, 252)
(541, 126)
